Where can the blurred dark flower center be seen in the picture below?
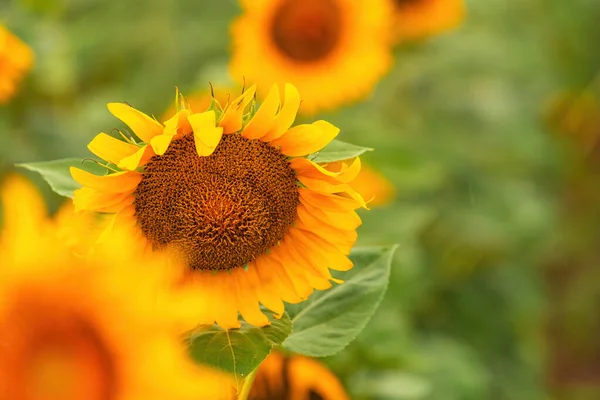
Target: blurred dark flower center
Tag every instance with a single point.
(54, 352)
(406, 3)
(307, 30)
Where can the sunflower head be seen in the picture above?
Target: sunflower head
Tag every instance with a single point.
(231, 193)
(334, 51)
(16, 58)
(74, 327)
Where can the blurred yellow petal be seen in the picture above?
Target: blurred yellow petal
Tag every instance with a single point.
(421, 18)
(24, 216)
(16, 59)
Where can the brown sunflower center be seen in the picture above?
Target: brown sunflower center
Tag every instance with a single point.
(307, 30)
(52, 352)
(220, 211)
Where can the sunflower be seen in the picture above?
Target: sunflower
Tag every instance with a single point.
(334, 51)
(416, 19)
(76, 328)
(296, 377)
(16, 58)
(232, 194)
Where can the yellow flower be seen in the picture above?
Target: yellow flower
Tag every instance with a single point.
(416, 19)
(75, 328)
(372, 185)
(334, 51)
(234, 195)
(16, 58)
(282, 377)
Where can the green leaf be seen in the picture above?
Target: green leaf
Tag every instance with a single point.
(57, 174)
(329, 320)
(238, 351)
(337, 151)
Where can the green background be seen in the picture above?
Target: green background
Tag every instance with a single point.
(492, 257)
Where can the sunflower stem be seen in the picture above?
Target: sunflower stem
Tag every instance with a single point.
(246, 386)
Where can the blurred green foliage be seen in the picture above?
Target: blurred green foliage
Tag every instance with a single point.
(457, 127)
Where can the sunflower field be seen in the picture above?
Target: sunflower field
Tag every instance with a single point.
(299, 200)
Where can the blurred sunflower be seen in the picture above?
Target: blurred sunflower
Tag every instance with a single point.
(576, 115)
(76, 328)
(232, 193)
(334, 51)
(295, 377)
(416, 19)
(16, 58)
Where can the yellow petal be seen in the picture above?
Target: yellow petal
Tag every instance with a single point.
(94, 200)
(206, 135)
(233, 114)
(287, 115)
(305, 139)
(261, 122)
(320, 250)
(346, 173)
(265, 290)
(117, 183)
(246, 299)
(323, 186)
(316, 269)
(142, 125)
(175, 127)
(134, 161)
(226, 310)
(270, 270)
(343, 239)
(292, 269)
(305, 167)
(111, 149)
(326, 201)
(118, 206)
(340, 219)
(161, 143)
(178, 124)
